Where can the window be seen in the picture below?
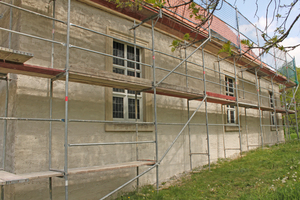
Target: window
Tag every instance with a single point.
(229, 82)
(124, 100)
(272, 106)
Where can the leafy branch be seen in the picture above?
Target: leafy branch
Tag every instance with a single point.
(178, 43)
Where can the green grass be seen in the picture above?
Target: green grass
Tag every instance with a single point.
(271, 173)
(294, 136)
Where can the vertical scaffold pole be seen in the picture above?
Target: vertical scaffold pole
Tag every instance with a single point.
(10, 25)
(51, 96)
(67, 102)
(246, 125)
(5, 124)
(204, 80)
(188, 112)
(4, 134)
(50, 137)
(293, 101)
(296, 118)
(238, 28)
(243, 84)
(223, 122)
(53, 35)
(259, 110)
(287, 68)
(286, 106)
(136, 110)
(286, 116)
(220, 81)
(155, 106)
(274, 108)
(206, 114)
(273, 98)
(222, 108)
(237, 105)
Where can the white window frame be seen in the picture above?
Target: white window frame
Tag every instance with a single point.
(272, 105)
(126, 95)
(230, 108)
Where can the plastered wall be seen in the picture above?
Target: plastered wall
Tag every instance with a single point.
(29, 97)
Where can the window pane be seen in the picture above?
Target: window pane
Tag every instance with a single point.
(130, 56)
(118, 71)
(118, 90)
(131, 109)
(118, 50)
(132, 92)
(232, 116)
(131, 73)
(271, 101)
(228, 117)
(230, 88)
(118, 107)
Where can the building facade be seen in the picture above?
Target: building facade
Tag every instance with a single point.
(121, 105)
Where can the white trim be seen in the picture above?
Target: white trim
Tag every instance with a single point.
(229, 108)
(272, 104)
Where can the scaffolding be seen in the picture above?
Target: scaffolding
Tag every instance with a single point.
(14, 62)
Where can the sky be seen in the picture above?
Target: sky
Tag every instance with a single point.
(248, 8)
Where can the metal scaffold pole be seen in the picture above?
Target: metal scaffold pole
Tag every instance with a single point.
(67, 102)
(206, 114)
(274, 108)
(5, 124)
(51, 101)
(296, 117)
(285, 100)
(155, 107)
(258, 91)
(188, 111)
(224, 135)
(53, 35)
(293, 101)
(136, 108)
(4, 134)
(288, 135)
(237, 104)
(273, 99)
(246, 125)
(50, 136)
(10, 25)
(259, 109)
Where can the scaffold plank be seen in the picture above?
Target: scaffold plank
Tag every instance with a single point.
(14, 55)
(222, 96)
(109, 167)
(29, 70)
(36, 175)
(7, 178)
(110, 79)
(178, 91)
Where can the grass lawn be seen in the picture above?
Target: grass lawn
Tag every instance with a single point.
(271, 173)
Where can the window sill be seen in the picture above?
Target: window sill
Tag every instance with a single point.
(232, 128)
(128, 127)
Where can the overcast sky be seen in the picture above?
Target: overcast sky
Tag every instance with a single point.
(248, 8)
